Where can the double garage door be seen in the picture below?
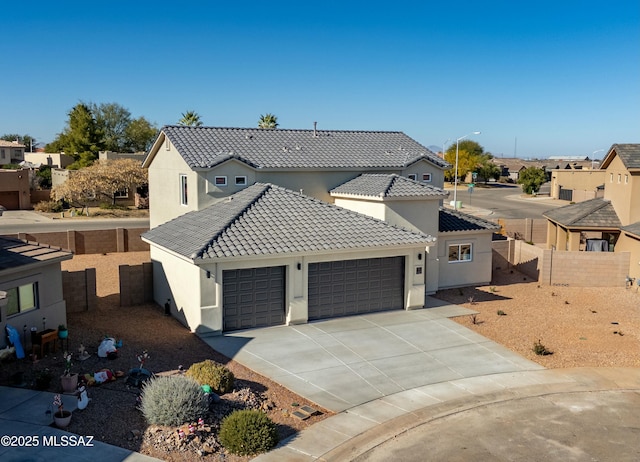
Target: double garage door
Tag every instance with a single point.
(342, 288)
(255, 297)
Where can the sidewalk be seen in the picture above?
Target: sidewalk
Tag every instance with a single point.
(372, 427)
(27, 414)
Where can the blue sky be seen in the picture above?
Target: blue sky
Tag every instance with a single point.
(561, 77)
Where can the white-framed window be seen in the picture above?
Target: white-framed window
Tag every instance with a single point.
(241, 181)
(460, 253)
(626, 179)
(412, 176)
(167, 144)
(122, 194)
(183, 190)
(426, 177)
(22, 298)
(220, 181)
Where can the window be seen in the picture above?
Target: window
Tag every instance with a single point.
(459, 253)
(21, 299)
(241, 181)
(167, 144)
(183, 190)
(220, 181)
(412, 176)
(426, 177)
(2, 155)
(610, 177)
(122, 194)
(619, 176)
(626, 179)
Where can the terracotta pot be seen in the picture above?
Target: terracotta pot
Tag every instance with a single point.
(69, 383)
(62, 419)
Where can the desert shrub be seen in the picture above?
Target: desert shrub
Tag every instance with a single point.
(107, 206)
(501, 313)
(540, 349)
(173, 400)
(48, 206)
(218, 377)
(248, 432)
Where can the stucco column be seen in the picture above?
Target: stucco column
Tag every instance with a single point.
(561, 239)
(574, 241)
(552, 230)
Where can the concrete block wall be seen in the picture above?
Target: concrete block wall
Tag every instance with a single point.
(532, 230)
(549, 267)
(91, 242)
(79, 289)
(136, 284)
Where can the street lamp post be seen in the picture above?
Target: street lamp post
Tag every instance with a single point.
(455, 181)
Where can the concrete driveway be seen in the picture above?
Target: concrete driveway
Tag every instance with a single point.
(345, 362)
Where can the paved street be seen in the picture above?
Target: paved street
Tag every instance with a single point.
(28, 221)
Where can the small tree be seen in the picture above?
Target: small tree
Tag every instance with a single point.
(531, 179)
(487, 169)
(104, 179)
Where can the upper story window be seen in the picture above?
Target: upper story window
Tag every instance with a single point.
(460, 253)
(412, 176)
(241, 181)
(167, 144)
(426, 177)
(21, 299)
(2, 154)
(626, 179)
(610, 177)
(183, 190)
(220, 181)
(619, 178)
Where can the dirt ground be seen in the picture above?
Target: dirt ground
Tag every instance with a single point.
(596, 327)
(581, 326)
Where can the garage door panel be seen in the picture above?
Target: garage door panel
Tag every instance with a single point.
(357, 286)
(253, 297)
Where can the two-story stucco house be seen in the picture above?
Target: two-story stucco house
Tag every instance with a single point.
(256, 227)
(610, 223)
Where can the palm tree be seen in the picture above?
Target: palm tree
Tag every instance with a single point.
(190, 119)
(268, 121)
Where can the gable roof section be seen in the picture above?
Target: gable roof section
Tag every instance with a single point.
(265, 219)
(633, 228)
(629, 155)
(206, 147)
(382, 185)
(594, 213)
(18, 254)
(452, 220)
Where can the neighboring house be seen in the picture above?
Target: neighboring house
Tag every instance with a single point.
(255, 227)
(52, 159)
(30, 275)
(110, 155)
(605, 223)
(15, 189)
(11, 152)
(577, 185)
(127, 197)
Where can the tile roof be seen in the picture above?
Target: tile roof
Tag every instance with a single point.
(629, 154)
(16, 253)
(265, 219)
(11, 144)
(594, 213)
(633, 228)
(453, 220)
(387, 185)
(206, 147)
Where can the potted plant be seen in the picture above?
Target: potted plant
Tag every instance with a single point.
(62, 418)
(69, 381)
(138, 375)
(63, 332)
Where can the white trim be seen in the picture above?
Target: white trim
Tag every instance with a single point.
(242, 182)
(428, 180)
(184, 189)
(460, 253)
(413, 176)
(220, 177)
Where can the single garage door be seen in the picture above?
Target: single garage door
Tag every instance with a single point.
(10, 200)
(253, 297)
(341, 288)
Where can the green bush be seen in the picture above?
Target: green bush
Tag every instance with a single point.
(218, 377)
(48, 206)
(173, 400)
(248, 432)
(107, 206)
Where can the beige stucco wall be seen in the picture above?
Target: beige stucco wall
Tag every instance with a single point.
(583, 182)
(623, 190)
(53, 159)
(460, 274)
(196, 300)
(631, 244)
(164, 186)
(50, 299)
(16, 180)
